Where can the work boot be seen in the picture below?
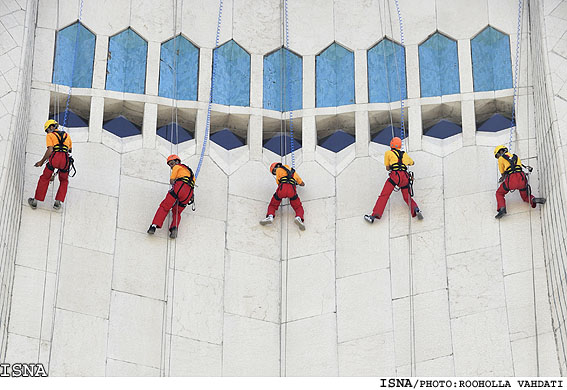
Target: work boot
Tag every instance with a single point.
(538, 201)
(418, 213)
(173, 232)
(369, 218)
(501, 213)
(152, 229)
(268, 220)
(33, 203)
(299, 223)
(57, 205)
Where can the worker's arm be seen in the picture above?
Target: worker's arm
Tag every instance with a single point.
(45, 156)
(171, 181)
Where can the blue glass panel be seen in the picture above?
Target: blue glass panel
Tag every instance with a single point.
(443, 129)
(384, 136)
(334, 77)
(232, 80)
(281, 144)
(439, 66)
(386, 72)
(495, 123)
(273, 65)
(227, 139)
(74, 36)
(179, 59)
(337, 141)
(492, 66)
(121, 127)
(73, 120)
(174, 133)
(126, 68)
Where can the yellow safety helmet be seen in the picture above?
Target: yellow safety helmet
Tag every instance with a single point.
(498, 149)
(49, 123)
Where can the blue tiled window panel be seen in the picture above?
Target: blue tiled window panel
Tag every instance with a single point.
(334, 69)
(495, 123)
(443, 129)
(121, 127)
(281, 144)
(65, 56)
(386, 72)
(384, 136)
(276, 65)
(439, 66)
(174, 133)
(337, 141)
(232, 80)
(227, 139)
(179, 59)
(492, 66)
(126, 68)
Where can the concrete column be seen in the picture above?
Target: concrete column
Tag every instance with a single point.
(362, 133)
(412, 72)
(96, 118)
(205, 73)
(309, 137)
(200, 127)
(100, 61)
(152, 68)
(360, 77)
(308, 82)
(469, 122)
(465, 65)
(149, 126)
(256, 80)
(415, 127)
(255, 137)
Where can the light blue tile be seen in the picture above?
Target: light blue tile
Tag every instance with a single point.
(439, 66)
(179, 60)
(334, 77)
(386, 72)
(274, 66)
(126, 68)
(492, 66)
(75, 36)
(232, 75)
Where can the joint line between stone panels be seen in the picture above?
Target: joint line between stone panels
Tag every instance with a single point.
(506, 300)
(225, 258)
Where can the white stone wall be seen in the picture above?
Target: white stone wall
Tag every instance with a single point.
(16, 48)
(454, 294)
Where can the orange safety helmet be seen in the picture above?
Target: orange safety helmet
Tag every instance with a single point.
(274, 165)
(172, 158)
(396, 143)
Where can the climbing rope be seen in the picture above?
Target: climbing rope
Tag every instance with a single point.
(208, 125)
(287, 85)
(514, 102)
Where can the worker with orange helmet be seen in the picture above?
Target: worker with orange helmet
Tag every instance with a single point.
(512, 178)
(182, 180)
(396, 161)
(287, 179)
(59, 146)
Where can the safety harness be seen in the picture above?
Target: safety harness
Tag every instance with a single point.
(185, 180)
(287, 179)
(515, 168)
(400, 166)
(61, 147)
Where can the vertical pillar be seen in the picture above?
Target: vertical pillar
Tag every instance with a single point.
(465, 65)
(468, 122)
(149, 126)
(256, 80)
(152, 68)
(309, 137)
(415, 127)
(412, 71)
(308, 82)
(205, 73)
(96, 118)
(100, 60)
(255, 137)
(362, 133)
(200, 127)
(360, 76)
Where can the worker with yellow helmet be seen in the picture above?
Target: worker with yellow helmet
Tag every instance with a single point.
(513, 178)
(396, 161)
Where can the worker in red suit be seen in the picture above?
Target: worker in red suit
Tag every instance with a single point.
(512, 178)
(59, 146)
(396, 161)
(182, 180)
(287, 180)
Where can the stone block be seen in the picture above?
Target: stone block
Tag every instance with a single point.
(264, 183)
(448, 12)
(97, 169)
(311, 347)
(197, 307)
(311, 33)
(475, 288)
(117, 16)
(370, 356)
(36, 229)
(119, 368)
(154, 20)
(465, 179)
(357, 25)
(252, 287)
(143, 317)
(200, 22)
(250, 347)
(420, 15)
(21, 349)
(257, 25)
(310, 286)
(442, 366)
(364, 306)
(319, 183)
(79, 345)
(194, 358)
(27, 302)
(85, 281)
(141, 268)
(358, 187)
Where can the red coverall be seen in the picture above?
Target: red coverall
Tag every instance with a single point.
(512, 181)
(286, 190)
(399, 178)
(177, 198)
(57, 160)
